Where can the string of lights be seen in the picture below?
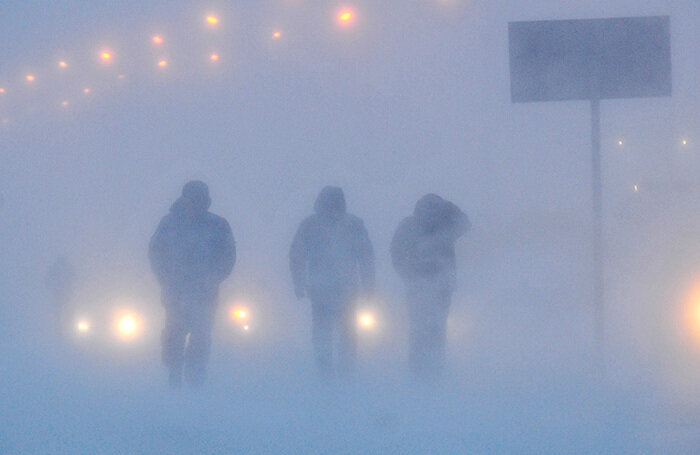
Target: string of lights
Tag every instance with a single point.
(107, 57)
(161, 58)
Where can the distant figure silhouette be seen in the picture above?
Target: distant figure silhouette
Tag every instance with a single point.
(423, 254)
(191, 253)
(332, 261)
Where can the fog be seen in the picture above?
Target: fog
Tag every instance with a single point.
(412, 98)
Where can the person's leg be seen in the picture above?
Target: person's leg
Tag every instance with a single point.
(347, 338)
(322, 337)
(173, 342)
(429, 303)
(429, 324)
(439, 334)
(417, 334)
(201, 320)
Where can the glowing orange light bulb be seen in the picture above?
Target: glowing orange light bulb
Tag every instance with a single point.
(214, 57)
(157, 39)
(163, 63)
(30, 78)
(212, 20)
(63, 64)
(277, 35)
(106, 56)
(345, 17)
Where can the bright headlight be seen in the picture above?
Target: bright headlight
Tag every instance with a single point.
(82, 326)
(128, 326)
(692, 318)
(366, 320)
(239, 314)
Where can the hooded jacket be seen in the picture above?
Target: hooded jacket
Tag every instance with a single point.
(423, 246)
(192, 250)
(331, 250)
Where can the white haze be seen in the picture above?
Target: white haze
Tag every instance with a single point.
(414, 100)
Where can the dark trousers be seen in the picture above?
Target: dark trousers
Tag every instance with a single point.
(333, 319)
(187, 339)
(427, 339)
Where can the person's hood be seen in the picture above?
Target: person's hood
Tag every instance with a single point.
(179, 207)
(429, 212)
(330, 202)
(194, 201)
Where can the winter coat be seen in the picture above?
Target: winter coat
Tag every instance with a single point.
(331, 251)
(423, 246)
(192, 254)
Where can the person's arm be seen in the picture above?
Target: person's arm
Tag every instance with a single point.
(400, 248)
(157, 253)
(226, 251)
(365, 260)
(459, 223)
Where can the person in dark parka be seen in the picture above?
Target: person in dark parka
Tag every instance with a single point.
(191, 253)
(423, 254)
(332, 262)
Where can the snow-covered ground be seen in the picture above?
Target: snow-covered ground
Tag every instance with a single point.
(523, 378)
(56, 404)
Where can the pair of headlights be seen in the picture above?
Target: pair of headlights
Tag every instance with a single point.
(126, 326)
(240, 316)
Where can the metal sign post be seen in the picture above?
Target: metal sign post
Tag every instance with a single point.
(598, 258)
(591, 60)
